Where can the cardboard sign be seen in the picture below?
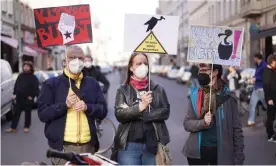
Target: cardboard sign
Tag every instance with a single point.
(63, 25)
(218, 45)
(151, 33)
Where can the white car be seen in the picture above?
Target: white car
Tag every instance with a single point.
(187, 75)
(172, 74)
(7, 86)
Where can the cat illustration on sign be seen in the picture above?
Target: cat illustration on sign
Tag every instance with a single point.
(225, 47)
(152, 22)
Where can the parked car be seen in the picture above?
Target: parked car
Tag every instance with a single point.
(52, 73)
(186, 75)
(165, 70)
(172, 74)
(7, 86)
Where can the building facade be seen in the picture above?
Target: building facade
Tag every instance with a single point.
(176, 8)
(18, 29)
(257, 17)
(9, 42)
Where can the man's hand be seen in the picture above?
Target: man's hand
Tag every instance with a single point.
(270, 102)
(80, 106)
(71, 100)
(208, 118)
(30, 98)
(146, 100)
(14, 97)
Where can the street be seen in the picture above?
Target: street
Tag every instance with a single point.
(19, 147)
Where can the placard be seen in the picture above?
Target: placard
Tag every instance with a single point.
(218, 45)
(63, 25)
(151, 33)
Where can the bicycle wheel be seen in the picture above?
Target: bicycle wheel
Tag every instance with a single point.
(105, 135)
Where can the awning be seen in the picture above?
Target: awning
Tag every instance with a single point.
(28, 51)
(10, 41)
(37, 49)
(267, 32)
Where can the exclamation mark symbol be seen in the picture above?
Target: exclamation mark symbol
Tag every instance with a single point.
(150, 36)
(237, 35)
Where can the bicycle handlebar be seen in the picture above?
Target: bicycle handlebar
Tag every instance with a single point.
(68, 156)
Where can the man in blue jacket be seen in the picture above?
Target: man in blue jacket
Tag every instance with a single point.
(68, 111)
(258, 93)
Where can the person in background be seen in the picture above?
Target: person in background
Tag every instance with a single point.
(194, 74)
(69, 111)
(95, 73)
(233, 78)
(258, 93)
(140, 129)
(269, 85)
(26, 88)
(216, 136)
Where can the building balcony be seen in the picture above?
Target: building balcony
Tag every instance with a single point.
(251, 9)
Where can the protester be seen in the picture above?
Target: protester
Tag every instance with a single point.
(216, 136)
(194, 74)
(25, 90)
(93, 72)
(269, 85)
(69, 112)
(233, 78)
(258, 93)
(136, 141)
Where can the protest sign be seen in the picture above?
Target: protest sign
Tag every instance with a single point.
(63, 25)
(151, 33)
(218, 45)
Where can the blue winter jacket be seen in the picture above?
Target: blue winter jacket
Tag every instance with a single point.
(52, 107)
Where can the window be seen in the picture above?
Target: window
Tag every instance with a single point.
(273, 40)
(230, 8)
(274, 18)
(218, 14)
(4, 5)
(10, 7)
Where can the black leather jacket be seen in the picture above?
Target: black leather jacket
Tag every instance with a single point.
(160, 111)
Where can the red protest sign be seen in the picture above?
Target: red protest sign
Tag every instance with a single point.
(63, 25)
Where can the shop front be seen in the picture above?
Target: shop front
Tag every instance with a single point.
(268, 39)
(9, 45)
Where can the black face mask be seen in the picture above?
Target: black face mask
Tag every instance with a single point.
(203, 79)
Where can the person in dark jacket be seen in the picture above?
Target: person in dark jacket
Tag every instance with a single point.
(216, 136)
(194, 74)
(26, 88)
(95, 73)
(258, 93)
(269, 85)
(69, 110)
(142, 114)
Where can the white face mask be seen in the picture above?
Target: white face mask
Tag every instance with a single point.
(141, 71)
(87, 64)
(76, 66)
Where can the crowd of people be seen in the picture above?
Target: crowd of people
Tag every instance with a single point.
(70, 104)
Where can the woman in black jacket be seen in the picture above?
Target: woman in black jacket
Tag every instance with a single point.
(141, 114)
(26, 88)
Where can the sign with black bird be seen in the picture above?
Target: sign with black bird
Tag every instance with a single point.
(151, 33)
(217, 45)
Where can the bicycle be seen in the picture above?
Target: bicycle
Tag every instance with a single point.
(107, 128)
(76, 159)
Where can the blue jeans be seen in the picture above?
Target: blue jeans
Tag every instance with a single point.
(135, 154)
(194, 82)
(257, 95)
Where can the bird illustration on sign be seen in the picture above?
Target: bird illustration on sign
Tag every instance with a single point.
(151, 44)
(225, 47)
(152, 22)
